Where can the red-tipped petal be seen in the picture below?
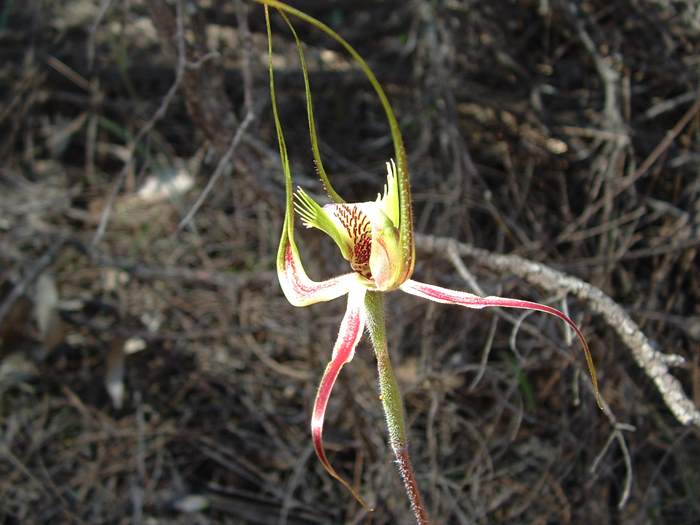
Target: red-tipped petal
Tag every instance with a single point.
(302, 291)
(349, 335)
(447, 296)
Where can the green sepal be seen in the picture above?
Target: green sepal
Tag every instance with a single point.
(287, 236)
(310, 116)
(405, 225)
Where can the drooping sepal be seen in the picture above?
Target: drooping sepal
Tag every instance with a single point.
(468, 300)
(351, 329)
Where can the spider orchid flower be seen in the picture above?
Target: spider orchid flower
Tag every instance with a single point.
(376, 238)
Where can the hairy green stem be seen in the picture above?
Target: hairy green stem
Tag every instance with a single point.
(392, 403)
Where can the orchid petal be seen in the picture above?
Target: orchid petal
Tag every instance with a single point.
(349, 335)
(300, 290)
(468, 300)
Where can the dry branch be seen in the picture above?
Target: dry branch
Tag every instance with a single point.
(203, 85)
(654, 363)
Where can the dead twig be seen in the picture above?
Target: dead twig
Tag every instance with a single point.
(30, 276)
(148, 126)
(224, 162)
(104, 7)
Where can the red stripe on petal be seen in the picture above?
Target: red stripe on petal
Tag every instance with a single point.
(443, 295)
(468, 300)
(349, 335)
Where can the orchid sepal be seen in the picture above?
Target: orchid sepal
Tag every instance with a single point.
(351, 329)
(298, 288)
(469, 300)
(401, 265)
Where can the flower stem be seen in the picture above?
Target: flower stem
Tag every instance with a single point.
(392, 404)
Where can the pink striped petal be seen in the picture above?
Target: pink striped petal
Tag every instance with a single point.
(302, 291)
(350, 333)
(447, 296)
